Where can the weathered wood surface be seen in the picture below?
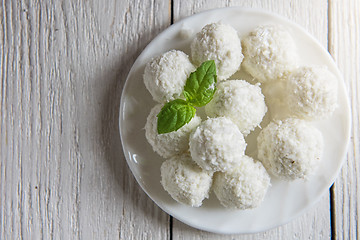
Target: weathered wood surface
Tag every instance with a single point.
(63, 65)
(63, 172)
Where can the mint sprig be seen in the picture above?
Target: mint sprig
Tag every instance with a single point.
(198, 91)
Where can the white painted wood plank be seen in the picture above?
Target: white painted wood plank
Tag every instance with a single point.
(315, 223)
(63, 173)
(344, 39)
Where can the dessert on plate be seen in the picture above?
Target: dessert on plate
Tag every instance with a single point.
(206, 152)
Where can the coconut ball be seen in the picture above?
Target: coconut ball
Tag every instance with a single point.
(269, 51)
(217, 144)
(242, 187)
(221, 43)
(168, 144)
(311, 92)
(185, 181)
(290, 149)
(165, 76)
(241, 102)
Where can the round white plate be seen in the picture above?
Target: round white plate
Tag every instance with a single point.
(284, 200)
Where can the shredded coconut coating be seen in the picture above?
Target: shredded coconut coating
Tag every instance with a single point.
(217, 144)
(241, 102)
(165, 76)
(168, 144)
(269, 52)
(221, 43)
(290, 149)
(243, 187)
(311, 92)
(185, 181)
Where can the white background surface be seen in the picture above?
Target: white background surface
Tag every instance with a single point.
(63, 65)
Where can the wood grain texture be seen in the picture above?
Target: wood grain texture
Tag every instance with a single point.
(344, 39)
(63, 172)
(63, 64)
(315, 223)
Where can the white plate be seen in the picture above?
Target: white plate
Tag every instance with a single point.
(284, 200)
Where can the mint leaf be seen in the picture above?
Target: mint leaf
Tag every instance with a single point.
(174, 115)
(200, 86)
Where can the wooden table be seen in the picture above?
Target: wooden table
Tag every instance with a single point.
(63, 65)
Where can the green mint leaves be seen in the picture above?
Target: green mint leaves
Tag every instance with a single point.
(198, 91)
(200, 86)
